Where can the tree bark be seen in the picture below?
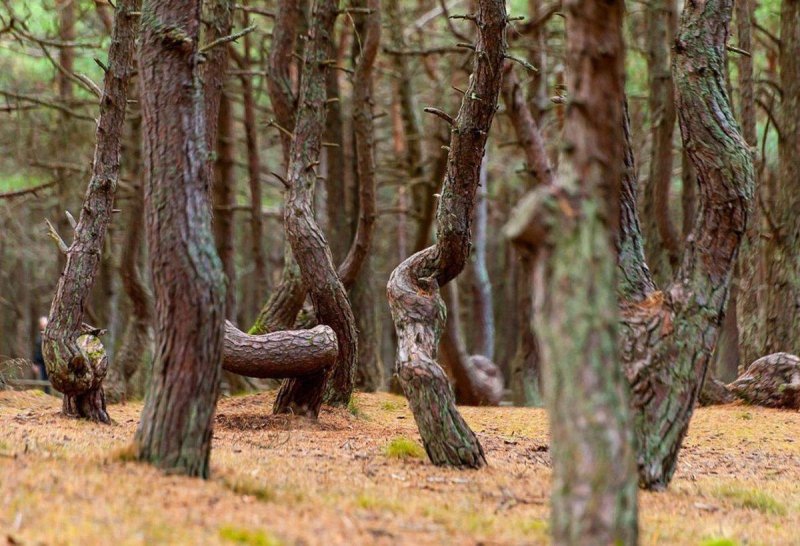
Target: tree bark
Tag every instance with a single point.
(176, 425)
(592, 447)
(76, 367)
(308, 244)
(668, 338)
(277, 355)
(413, 289)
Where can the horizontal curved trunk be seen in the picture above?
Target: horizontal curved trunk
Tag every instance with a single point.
(278, 355)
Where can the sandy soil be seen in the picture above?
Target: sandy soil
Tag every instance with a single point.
(279, 480)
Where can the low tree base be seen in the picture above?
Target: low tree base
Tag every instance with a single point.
(89, 405)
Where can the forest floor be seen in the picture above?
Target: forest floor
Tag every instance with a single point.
(358, 476)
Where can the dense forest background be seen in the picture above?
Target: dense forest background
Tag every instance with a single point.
(51, 58)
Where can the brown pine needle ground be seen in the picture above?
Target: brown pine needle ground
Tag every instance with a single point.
(356, 477)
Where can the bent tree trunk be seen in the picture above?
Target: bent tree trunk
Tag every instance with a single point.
(413, 289)
(668, 339)
(308, 244)
(177, 418)
(76, 366)
(594, 478)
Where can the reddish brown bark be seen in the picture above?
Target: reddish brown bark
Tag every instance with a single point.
(308, 244)
(176, 425)
(413, 288)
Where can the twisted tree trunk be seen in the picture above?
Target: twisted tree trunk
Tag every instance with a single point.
(308, 244)
(176, 425)
(77, 366)
(413, 289)
(668, 338)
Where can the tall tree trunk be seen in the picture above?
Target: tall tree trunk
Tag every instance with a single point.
(176, 425)
(750, 297)
(668, 342)
(594, 489)
(667, 337)
(782, 302)
(77, 364)
(663, 242)
(331, 305)
(413, 289)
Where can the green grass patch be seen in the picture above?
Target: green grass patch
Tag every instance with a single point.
(752, 499)
(719, 542)
(391, 405)
(355, 409)
(404, 448)
(239, 535)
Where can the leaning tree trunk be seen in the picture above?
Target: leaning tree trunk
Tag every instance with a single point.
(176, 425)
(594, 489)
(77, 365)
(413, 289)
(668, 339)
(308, 244)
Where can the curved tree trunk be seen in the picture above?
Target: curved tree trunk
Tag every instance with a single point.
(668, 339)
(75, 368)
(478, 381)
(331, 305)
(413, 288)
(176, 425)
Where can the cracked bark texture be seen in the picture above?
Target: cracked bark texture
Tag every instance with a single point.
(592, 443)
(308, 244)
(413, 290)
(176, 424)
(277, 355)
(668, 338)
(76, 364)
(772, 381)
